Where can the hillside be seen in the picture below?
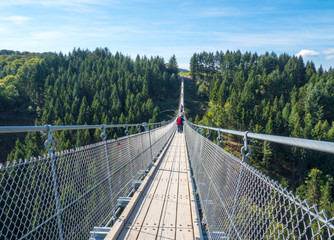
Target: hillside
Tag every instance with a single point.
(277, 95)
(82, 87)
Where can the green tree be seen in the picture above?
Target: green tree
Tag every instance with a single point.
(83, 112)
(156, 115)
(17, 153)
(326, 200)
(267, 153)
(314, 183)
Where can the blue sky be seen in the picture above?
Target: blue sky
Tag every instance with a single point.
(164, 28)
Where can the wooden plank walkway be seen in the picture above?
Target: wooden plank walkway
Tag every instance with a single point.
(166, 207)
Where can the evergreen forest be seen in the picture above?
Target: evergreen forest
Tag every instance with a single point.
(277, 95)
(82, 87)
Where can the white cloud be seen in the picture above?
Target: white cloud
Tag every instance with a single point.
(48, 35)
(329, 51)
(217, 12)
(308, 53)
(78, 6)
(330, 57)
(52, 2)
(184, 65)
(17, 19)
(4, 30)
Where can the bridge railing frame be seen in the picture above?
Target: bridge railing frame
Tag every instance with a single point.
(321, 146)
(108, 164)
(229, 189)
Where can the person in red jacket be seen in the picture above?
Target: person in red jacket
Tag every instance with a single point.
(182, 121)
(179, 124)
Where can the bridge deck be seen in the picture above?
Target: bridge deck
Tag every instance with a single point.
(166, 208)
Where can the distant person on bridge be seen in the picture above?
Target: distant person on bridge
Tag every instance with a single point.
(179, 123)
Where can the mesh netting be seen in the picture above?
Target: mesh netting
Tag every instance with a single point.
(64, 195)
(239, 202)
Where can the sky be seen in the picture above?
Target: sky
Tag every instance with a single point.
(167, 27)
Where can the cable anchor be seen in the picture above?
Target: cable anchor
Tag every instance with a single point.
(126, 130)
(208, 133)
(201, 129)
(219, 138)
(49, 140)
(103, 134)
(245, 150)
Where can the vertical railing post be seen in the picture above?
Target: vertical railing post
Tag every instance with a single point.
(104, 139)
(54, 177)
(142, 148)
(219, 138)
(129, 152)
(245, 151)
(147, 128)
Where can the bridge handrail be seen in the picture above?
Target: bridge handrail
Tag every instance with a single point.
(16, 129)
(54, 195)
(322, 146)
(240, 202)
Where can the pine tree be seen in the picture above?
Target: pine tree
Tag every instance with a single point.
(267, 154)
(316, 131)
(330, 135)
(17, 153)
(325, 128)
(83, 112)
(326, 200)
(156, 115)
(314, 184)
(308, 122)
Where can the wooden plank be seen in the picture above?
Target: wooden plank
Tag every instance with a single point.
(184, 234)
(153, 215)
(148, 233)
(166, 233)
(184, 218)
(168, 216)
(168, 200)
(124, 234)
(137, 217)
(152, 218)
(155, 212)
(119, 224)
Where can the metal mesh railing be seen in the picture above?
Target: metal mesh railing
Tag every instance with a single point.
(64, 195)
(239, 202)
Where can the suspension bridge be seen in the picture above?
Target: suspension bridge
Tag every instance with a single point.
(155, 184)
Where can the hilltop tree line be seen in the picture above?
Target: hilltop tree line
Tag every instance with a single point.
(278, 95)
(83, 87)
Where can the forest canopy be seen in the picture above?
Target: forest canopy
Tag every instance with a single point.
(278, 95)
(82, 87)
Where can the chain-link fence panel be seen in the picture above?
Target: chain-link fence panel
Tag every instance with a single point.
(239, 202)
(65, 194)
